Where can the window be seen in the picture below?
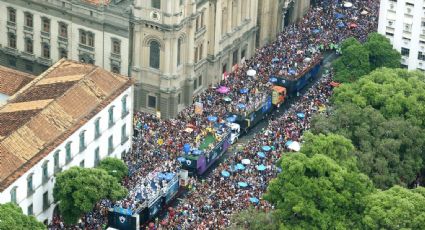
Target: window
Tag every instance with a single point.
(201, 48)
(90, 39)
(83, 38)
(63, 30)
(407, 27)
(46, 200)
(110, 144)
(195, 84)
(82, 141)
(405, 51)
(111, 116)
(68, 152)
(82, 163)
(46, 50)
(124, 137)
(179, 98)
(12, 15)
(28, 20)
(29, 67)
(97, 128)
(115, 68)
(243, 53)
(45, 169)
(12, 61)
(181, 2)
(12, 40)
(154, 54)
(30, 189)
(116, 47)
(235, 57)
(195, 57)
(63, 53)
(179, 50)
(96, 156)
(56, 160)
(124, 106)
(46, 25)
(29, 210)
(151, 101)
(13, 195)
(421, 56)
(200, 81)
(156, 4)
(28, 46)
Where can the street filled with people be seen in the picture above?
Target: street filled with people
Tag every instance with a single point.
(241, 179)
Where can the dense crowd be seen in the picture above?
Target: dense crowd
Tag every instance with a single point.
(235, 184)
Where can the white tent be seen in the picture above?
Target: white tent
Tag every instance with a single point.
(251, 73)
(295, 146)
(348, 4)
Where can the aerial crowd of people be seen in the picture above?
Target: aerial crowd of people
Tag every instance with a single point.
(241, 179)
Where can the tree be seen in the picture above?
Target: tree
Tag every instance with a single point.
(78, 190)
(389, 150)
(395, 208)
(381, 52)
(12, 218)
(353, 63)
(115, 167)
(317, 193)
(254, 220)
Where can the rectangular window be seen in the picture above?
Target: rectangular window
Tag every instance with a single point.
(12, 15)
(83, 38)
(156, 4)
(28, 46)
(12, 40)
(63, 53)
(45, 172)
(96, 156)
(46, 25)
(405, 52)
(82, 141)
(63, 30)
(200, 81)
(235, 57)
(179, 98)
(195, 84)
(46, 50)
(152, 101)
(68, 152)
(179, 46)
(421, 56)
(123, 133)
(111, 116)
(97, 128)
(82, 163)
(46, 200)
(30, 189)
(116, 47)
(110, 144)
(90, 39)
(201, 48)
(243, 53)
(13, 195)
(28, 20)
(30, 210)
(124, 106)
(196, 55)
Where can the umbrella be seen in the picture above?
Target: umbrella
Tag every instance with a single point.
(169, 176)
(364, 12)
(254, 200)
(212, 118)
(261, 154)
(316, 31)
(334, 84)
(288, 143)
(275, 59)
(223, 89)
(239, 167)
(181, 159)
(295, 145)
(225, 173)
(273, 80)
(197, 152)
(186, 148)
(341, 25)
(291, 72)
(352, 25)
(339, 16)
(188, 130)
(261, 167)
(307, 59)
(246, 161)
(266, 148)
(251, 72)
(300, 115)
(244, 91)
(243, 184)
(231, 119)
(241, 106)
(160, 176)
(348, 4)
(228, 99)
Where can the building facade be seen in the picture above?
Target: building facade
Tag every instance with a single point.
(403, 22)
(182, 46)
(71, 115)
(274, 15)
(39, 33)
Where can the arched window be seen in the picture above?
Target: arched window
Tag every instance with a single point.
(154, 55)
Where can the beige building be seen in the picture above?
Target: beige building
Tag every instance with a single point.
(274, 15)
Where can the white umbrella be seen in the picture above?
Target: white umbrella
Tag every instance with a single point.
(295, 146)
(364, 12)
(246, 161)
(188, 130)
(306, 60)
(348, 4)
(251, 73)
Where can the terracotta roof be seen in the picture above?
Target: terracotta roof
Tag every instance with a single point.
(12, 80)
(45, 113)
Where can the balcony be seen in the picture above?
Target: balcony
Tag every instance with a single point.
(124, 113)
(86, 47)
(28, 29)
(11, 24)
(116, 56)
(63, 39)
(45, 34)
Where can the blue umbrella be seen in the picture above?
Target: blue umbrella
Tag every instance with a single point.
(291, 72)
(244, 90)
(273, 80)
(239, 167)
(225, 173)
(288, 143)
(231, 119)
(316, 31)
(300, 115)
(186, 148)
(169, 176)
(261, 167)
(197, 152)
(212, 118)
(241, 106)
(275, 59)
(266, 148)
(243, 184)
(161, 176)
(254, 200)
(339, 16)
(261, 154)
(181, 159)
(341, 25)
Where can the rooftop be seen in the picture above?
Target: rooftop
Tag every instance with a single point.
(45, 112)
(13, 80)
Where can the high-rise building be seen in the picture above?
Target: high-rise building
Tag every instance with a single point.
(403, 22)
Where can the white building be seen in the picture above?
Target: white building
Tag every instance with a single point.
(73, 114)
(37, 33)
(403, 22)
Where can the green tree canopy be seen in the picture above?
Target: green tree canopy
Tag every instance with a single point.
(389, 150)
(115, 167)
(381, 52)
(317, 193)
(12, 218)
(395, 208)
(394, 92)
(78, 189)
(353, 63)
(254, 220)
